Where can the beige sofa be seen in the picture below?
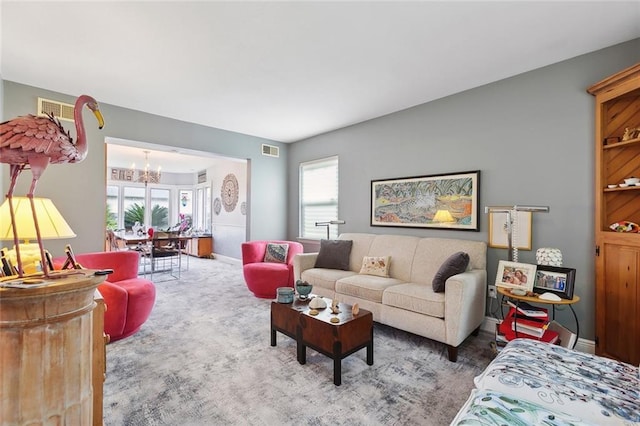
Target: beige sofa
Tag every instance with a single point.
(406, 299)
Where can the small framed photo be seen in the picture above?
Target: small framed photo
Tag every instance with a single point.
(516, 275)
(554, 279)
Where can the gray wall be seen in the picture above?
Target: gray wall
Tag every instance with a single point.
(532, 137)
(78, 189)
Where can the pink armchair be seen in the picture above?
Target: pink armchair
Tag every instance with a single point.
(263, 278)
(129, 299)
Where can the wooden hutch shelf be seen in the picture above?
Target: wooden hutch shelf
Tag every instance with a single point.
(617, 284)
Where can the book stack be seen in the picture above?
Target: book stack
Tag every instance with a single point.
(526, 321)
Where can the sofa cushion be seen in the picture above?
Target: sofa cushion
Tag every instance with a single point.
(359, 249)
(414, 297)
(375, 265)
(324, 278)
(456, 264)
(366, 287)
(431, 253)
(334, 254)
(402, 250)
(276, 253)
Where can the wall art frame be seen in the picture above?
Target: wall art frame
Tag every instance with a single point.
(514, 275)
(555, 279)
(521, 230)
(414, 201)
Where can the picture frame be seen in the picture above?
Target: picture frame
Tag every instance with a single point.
(498, 236)
(514, 275)
(443, 201)
(556, 280)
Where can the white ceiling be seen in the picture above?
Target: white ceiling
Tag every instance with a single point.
(125, 154)
(290, 70)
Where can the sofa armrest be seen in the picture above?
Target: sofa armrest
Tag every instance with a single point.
(302, 262)
(464, 304)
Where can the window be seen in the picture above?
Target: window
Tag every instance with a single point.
(200, 207)
(133, 206)
(160, 208)
(126, 205)
(318, 197)
(112, 207)
(185, 207)
(207, 209)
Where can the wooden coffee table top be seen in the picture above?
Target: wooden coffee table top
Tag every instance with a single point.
(325, 314)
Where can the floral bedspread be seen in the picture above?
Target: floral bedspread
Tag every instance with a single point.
(588, 387)
(490, 408)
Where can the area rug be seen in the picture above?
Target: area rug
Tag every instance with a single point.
(204, 358)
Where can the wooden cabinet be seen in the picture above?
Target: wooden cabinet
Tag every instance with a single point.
(200, 246)
(99, 364)
(48, 352)
(617, 157)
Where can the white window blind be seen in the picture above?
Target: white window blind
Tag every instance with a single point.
(318, 197)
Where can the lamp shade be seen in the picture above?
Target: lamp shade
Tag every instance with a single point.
(52, 224)
(443, 216)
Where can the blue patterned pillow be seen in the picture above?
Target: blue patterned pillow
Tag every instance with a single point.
(276, 253)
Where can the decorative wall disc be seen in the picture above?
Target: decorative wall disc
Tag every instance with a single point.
(229, 192)
(217, 206)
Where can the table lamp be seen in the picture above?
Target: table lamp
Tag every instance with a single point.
(52, 226)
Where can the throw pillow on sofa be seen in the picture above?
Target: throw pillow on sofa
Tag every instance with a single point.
(276, 253)
(334, 254)
(376, 265)
(456, 264)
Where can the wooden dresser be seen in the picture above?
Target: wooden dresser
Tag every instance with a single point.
(52, 356)
(200, 246)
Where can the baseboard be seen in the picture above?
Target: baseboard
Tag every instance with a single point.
(227, 259)
(582, 345)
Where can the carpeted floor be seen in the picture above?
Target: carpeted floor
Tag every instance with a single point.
(204, 358)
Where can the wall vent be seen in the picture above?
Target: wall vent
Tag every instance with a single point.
(270, 150)
(202, 176)
(59, 110)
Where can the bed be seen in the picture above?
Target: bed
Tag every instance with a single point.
(531, 380)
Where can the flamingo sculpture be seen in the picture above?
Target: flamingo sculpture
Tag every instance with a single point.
(34, 142)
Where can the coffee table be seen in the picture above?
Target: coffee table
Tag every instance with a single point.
(334, 340)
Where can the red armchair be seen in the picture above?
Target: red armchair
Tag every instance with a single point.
(263, 278)
(129, 299)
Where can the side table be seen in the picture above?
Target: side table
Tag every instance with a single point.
(504, 292)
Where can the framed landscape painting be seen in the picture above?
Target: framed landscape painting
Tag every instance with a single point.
(448, 201)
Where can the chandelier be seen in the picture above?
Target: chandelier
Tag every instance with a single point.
(146, 175)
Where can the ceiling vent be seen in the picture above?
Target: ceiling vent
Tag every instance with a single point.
(59, 110)
(202, 176)
(270, 150)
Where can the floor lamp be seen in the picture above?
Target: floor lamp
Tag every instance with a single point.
(329, 223)
(511, 211)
